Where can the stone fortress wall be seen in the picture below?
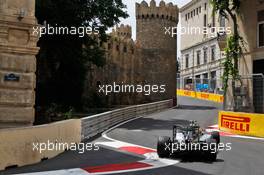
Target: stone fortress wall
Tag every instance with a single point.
(151, 59)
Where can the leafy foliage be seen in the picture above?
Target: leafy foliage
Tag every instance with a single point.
(62, 60)
(229, 9)
(224, 7)
(233, 52)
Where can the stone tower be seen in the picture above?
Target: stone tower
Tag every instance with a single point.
(17, 62)
(157, 50)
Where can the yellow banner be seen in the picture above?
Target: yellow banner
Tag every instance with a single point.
(242, 123)
(201, 95)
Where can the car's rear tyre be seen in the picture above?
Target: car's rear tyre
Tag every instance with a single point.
(212, 157)
(212, 152)
(163, 147)
(216, 136)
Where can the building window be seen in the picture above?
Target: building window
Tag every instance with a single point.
(205, 55)
(187, 61)
(222, 21)
(205, 6)
(200, 9)
(117, 47)
(213, 53)
(213, 75)
(194, 12)
(205, 21)
(205, 78)
(197, 11)
(261, 34)
(186, 17)
(191, 14)
(198, 79)
(198, 57)
(261, 28)
(213, 80)
(213, 23)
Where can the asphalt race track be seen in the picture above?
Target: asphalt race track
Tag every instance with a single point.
(245, 158)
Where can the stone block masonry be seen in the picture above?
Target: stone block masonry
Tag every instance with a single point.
(17, 62)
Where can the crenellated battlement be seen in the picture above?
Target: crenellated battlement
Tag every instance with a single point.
(123, 31)
(121, 40)
(152, 11)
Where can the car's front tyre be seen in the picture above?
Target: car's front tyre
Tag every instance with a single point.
(163, 147)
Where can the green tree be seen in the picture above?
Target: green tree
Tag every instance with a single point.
(230, 9)
(62, 60)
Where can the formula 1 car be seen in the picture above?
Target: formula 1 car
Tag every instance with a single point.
(189, 139)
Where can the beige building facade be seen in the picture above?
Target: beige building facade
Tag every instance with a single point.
(201, 55)
(251, 28)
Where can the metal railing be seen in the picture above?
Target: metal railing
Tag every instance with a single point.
(213, 85)
(248, 95)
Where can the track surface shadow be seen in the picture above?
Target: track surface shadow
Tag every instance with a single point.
(192, 107)
(190, 158)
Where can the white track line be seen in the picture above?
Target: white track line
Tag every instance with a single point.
(148, 156)
(75, 171)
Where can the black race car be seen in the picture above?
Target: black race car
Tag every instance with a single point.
(189, 139)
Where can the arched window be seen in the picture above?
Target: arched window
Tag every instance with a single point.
(125, 49)
(132, 50)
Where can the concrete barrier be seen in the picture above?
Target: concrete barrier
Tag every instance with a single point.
(16, 145)
(201, 95)
(93, 125)
(247, 124)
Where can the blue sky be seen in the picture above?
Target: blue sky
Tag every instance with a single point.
(131, 20)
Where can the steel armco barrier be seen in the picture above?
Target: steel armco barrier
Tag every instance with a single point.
(96, 124)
